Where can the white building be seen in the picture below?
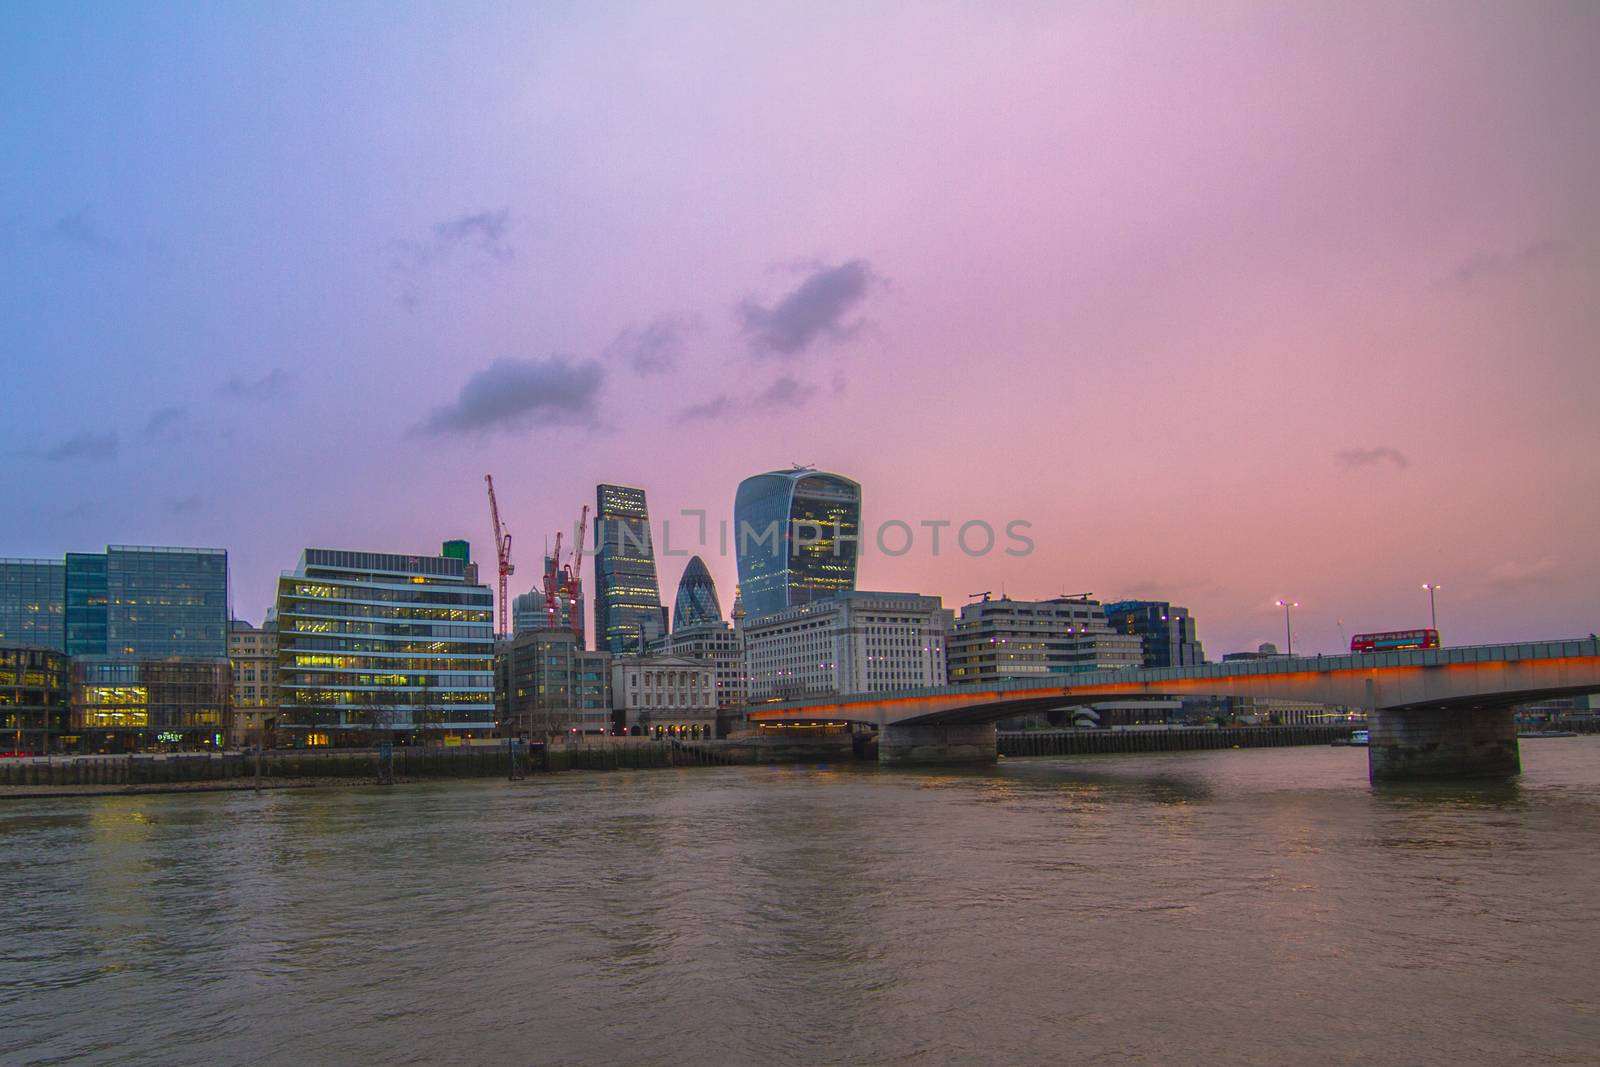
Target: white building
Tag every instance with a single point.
(665, 695)
(715, 643)
(853, 642)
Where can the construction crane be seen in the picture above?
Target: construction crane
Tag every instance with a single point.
(576, 585)
(502, 550)
(552, 585)
(985, 594)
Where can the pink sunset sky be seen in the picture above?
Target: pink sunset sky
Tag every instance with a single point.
(1231, 302)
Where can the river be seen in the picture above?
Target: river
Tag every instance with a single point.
(1240, 907)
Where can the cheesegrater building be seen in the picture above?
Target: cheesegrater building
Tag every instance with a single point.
(628, 613)
(377, 646)
(796, 538)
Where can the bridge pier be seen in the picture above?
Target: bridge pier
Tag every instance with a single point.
(929, 744)
(1443, 743)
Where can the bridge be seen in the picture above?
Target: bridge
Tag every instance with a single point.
(1433, 712)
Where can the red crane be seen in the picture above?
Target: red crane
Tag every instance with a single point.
(576, 584)
(552, 585)
(502, 551)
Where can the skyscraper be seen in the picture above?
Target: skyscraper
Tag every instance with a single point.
(627, 598)
(796, 536)
(697, 598)
(1166, 631)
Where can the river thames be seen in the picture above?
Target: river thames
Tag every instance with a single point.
(1262, 907)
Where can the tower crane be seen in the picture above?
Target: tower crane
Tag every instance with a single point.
(576, 584)
(502, 550)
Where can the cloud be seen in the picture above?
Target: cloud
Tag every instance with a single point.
(183, 505)
(1513, 574)
(1357, 458)
(513, 394)
(481, 231)
(78, 229)
(814, 310)
(166, 424)
(654, 348)
(273, 383)
(1496, 264)
(785, 394)
(86, 445)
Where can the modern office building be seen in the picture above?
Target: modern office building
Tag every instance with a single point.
(142, 602)
(127, 703)
(549, 684)
(853, 642)
(628, 612)
(253, 658)
(378, 645)
(1005, 638)
(796, 537)
(1165, 631)
(33, 596)
(697, 597)
(34, 713)
(664, 696)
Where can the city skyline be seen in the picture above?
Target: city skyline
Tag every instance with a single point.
(1282, 304)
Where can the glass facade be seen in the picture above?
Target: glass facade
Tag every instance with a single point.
(697, 598)
(1167, 632)
(126, 705)
(628, 612)
(376, 645)
(166, 602)
(796, 538)
(33, 700)
(86, 604)
(33, 603)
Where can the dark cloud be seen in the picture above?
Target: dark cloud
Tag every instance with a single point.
(1497, 264)
(79, 229)
(90, 446)
(785, 394)
(482, 231)
(166, 424)
(271, 384)
(186, 505)
(816, 309)
(514, 394)
(654, 348)
(1356, 458)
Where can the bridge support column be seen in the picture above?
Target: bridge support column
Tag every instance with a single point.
(955, 743)
(1447, 743)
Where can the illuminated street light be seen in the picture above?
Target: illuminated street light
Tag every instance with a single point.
(1433, 611)
(1288, 632)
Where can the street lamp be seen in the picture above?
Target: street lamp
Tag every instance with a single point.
(1288, 632)
(1433, 611)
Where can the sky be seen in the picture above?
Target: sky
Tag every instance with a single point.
(1228, 302)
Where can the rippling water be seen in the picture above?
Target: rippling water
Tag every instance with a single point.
(1263, 906)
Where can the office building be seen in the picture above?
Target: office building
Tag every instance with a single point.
(1005, 638)
(253, 658)
(129, 704)
(1165, 631)
(374, 646)
(34, 712)
(33, 596)
(853, 642)
(628, 612)
(664, 696)
(796, 538)
(697, 597)
(719, 644)
(549, 684)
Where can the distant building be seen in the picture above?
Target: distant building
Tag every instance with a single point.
(530, 611)
(1166, 632)
(796, 537)
(549, 684)
(253, 658)
(719, 644)
(1005, 638)
(697, 597)
(664, 695)
(380, 645)
(33, 594)
(34, 694)
(628, 612)
(853, 642)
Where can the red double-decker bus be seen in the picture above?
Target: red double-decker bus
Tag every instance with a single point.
(1395, 641)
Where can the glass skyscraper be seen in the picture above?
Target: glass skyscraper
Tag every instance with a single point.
(796, 537)
(628, 611)
(33, 603)
(376, 645)
(150, 603)
(697, 598)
